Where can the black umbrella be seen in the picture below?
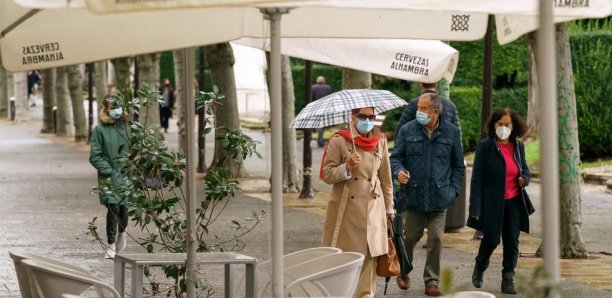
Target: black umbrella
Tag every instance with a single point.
(400, 249)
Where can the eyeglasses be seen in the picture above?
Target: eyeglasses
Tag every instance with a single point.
(365, 116)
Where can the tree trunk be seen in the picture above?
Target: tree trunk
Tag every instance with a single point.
(533, 103)
(148, 71)
(307, 190)
(10, 88)
(76, 95)
(20, 81)
(221, 60)
(355, 79)
(572, 245)
(48, 78)
(63, 111)
(290, 171)
(122, 74)
(100, 79)
(179, 65)
(4, 98)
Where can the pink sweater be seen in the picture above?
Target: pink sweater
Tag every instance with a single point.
(512, 170)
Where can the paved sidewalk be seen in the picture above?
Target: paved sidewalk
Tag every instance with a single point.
(45, 183)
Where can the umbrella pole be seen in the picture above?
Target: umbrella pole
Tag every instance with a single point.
(350, 128)
(547, 70)
(192, 268)
(274, 15)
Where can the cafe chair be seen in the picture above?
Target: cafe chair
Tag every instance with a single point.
(296, 258)
(18, 255)
(334, 275)
(51, 281)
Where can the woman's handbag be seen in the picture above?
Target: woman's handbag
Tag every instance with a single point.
(151, 182)
(388, 264)
(527, 201)
(524, 195)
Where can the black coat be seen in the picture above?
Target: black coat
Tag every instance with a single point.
(488, 187)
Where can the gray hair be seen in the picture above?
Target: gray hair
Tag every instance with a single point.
(320, 80)
(434, 99)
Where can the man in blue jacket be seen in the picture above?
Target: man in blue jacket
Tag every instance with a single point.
(427, 161)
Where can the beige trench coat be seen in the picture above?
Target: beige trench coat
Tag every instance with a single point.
(368, 193)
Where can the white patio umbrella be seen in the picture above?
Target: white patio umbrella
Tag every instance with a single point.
(409, 59)
(60, 42)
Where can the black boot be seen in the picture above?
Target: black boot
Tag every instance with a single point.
(477, 275)
(507, 284)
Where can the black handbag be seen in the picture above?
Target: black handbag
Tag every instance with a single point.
(527, 201)
(151, 182)
(524, 195)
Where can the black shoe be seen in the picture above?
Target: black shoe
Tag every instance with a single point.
(477, 277)
(507, 286)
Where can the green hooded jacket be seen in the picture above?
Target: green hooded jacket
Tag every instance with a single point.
(107, 138)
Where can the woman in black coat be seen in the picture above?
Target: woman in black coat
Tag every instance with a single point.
(497, 202)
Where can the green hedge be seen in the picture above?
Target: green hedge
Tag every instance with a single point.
(166, 69)
(592, 65)
(332, 74)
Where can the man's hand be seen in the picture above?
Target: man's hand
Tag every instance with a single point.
(390, 216)
(403, 177)
(521, 181)
(353, 161)
(476, 217)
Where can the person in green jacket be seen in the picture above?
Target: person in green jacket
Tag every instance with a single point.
(108, 138)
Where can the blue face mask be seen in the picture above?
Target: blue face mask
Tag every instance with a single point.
(116, 113)
(364, 126)
(423, 118)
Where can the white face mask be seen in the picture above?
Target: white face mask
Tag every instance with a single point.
(503, 133)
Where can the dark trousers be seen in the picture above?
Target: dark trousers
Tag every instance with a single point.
(116, 215)
(509, 235)
(165, 113)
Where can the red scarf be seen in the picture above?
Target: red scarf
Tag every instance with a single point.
(367, 144)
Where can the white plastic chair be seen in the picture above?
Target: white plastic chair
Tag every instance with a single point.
(470, 294)
(51, 281)
(333, 275)
(296, 258)
(308, 254)
(19, 255)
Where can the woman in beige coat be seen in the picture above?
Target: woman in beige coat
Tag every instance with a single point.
(361, 197)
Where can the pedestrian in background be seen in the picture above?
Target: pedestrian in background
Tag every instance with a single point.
(33, 79)
(165, 108)
(496, 204)
(427, 160)
(361, 197)
(319, 90)
(109, 139)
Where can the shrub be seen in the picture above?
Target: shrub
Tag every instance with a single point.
(592, 70)
(160, 213)
(332, 74)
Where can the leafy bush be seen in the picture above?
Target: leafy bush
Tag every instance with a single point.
(166, 69)
(592, 70)
(332, 74)
(160, 213)
(509, 63)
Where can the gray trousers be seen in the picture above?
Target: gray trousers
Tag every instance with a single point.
(116, 217)
(414, 225)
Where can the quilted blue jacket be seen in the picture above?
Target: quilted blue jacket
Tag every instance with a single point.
(435, 164)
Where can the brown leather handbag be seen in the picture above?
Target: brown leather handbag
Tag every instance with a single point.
(388, 264)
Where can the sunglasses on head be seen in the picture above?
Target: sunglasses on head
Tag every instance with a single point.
(365, 116)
